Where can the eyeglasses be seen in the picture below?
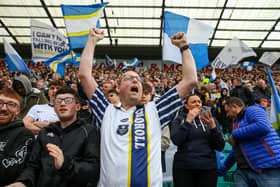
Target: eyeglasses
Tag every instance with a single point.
(9, 105)
(67, 100)
(131, 77)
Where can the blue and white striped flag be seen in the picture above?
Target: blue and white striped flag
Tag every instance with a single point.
(14, 61)
(79, 19)
(58, 62)
(197, 34)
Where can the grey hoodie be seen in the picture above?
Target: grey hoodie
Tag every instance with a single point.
(32, 96)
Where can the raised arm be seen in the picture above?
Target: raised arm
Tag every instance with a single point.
(88, 82)
(189, 74)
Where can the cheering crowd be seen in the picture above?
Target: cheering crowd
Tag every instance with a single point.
(109, 128)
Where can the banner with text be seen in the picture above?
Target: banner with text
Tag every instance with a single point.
(46, 41)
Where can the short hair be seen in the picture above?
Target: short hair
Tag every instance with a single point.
(11, 93)
(147, 88)
(57, 83)
(68, 91)
(234, 101)
(113, 91)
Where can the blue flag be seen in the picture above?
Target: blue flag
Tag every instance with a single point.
(77, 60)
(109, 63)
(248, 66)
(58, 62)
(197, 34)
(14, 61)
(79, 19)
(275, 103)
(132, 63)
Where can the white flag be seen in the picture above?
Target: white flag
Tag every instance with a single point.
(269, 58)
(46, 41)
(232, 53)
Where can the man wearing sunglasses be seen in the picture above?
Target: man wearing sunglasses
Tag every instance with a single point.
(65, 153)
(130, 132)
(15, 141)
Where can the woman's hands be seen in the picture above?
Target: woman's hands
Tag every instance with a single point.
(208, 119)
(205, 116)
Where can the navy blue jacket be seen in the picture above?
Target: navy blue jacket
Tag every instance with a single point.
(196, 146)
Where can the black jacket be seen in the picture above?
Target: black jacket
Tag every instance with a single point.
(15, 147)
(80, 145)
(244, 94)
(196, 146)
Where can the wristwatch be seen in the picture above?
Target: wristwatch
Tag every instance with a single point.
(185, 47)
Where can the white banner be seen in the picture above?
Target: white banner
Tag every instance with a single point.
(269, 58)
(232, 53)
(46, 41)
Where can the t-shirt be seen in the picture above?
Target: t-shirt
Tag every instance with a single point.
(43, 112)
(119, 150)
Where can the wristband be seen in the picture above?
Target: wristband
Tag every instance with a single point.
(185, 47)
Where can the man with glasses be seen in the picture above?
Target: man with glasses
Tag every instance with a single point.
(65, 153)
(15, 141)
(131, 132)
(42, 115)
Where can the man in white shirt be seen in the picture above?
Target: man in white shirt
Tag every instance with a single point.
(40, 116)
(130, 132)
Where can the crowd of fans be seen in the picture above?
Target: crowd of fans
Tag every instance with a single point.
(40, 89)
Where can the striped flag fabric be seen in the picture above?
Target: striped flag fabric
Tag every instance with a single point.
(79, 19)
(14, 61)
(58, 62)
(197, 34)
(275, 103)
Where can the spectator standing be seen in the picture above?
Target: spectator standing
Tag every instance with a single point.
(242, 92)
(136, 156)
(42, 115)
(262, 90)
(197, 137)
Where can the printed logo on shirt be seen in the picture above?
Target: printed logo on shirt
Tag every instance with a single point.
(50, 134)
(122, 129)
(124, 120)
(19, 156)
